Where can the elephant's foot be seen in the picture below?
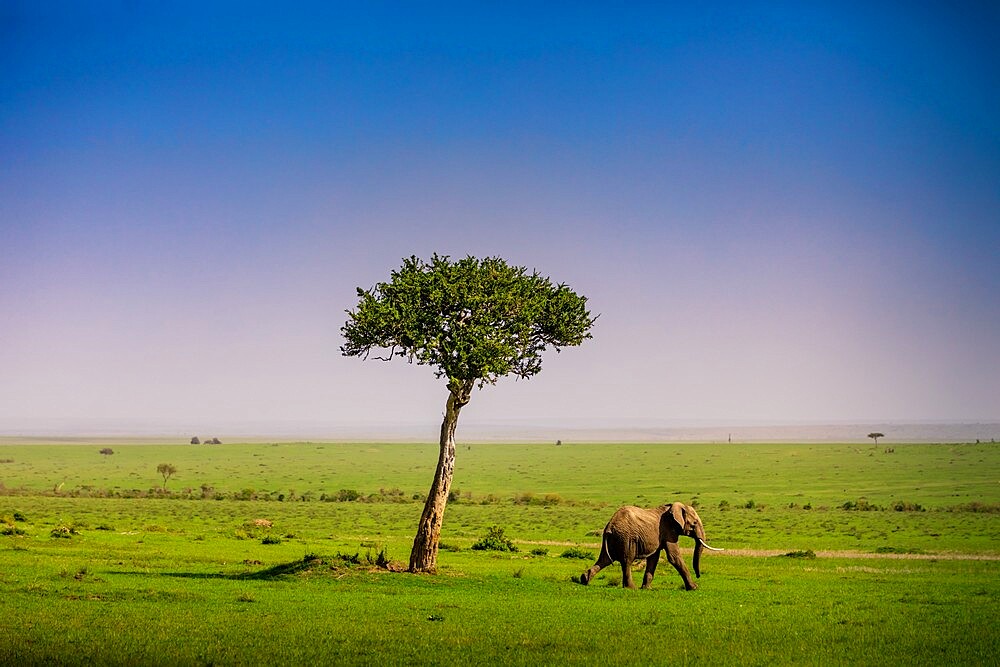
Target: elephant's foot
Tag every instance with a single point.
(691, 586)
(585, 577)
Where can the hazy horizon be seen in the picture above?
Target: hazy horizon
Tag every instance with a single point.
(781, 213)
(527, 430)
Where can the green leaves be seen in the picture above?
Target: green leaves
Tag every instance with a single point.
(474, 320)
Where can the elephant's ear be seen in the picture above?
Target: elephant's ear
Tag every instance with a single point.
(677, 511)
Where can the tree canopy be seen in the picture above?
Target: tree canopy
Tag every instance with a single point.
(472, 319)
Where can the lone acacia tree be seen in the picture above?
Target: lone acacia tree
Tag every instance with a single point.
(875, 436)
(475, 321)
(167, 470)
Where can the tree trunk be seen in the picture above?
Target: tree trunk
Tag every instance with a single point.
(423, 556)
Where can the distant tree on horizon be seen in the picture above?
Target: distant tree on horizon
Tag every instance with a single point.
(167, 471)
(107, 451)
(475, 321)
(876, 436)
(195, 440)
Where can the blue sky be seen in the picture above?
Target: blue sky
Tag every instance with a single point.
(783, 212)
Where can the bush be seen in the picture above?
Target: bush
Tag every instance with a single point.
(808, 553)
(525, 498)
(380, 560)
(348, 559)
(905, 506)
(540, 551)
(576, 552)
(896, 550)
(494, 540)
(64, 531)
(347, 495)
(975, 506)
(860, 505)
(271, 539)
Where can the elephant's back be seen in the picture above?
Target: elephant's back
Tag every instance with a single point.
(632, 515)
(635, 526)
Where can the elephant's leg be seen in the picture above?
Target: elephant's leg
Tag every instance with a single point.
(628, 555)
(602, 562)
(674, 558)
(651, 562)
(627, 581)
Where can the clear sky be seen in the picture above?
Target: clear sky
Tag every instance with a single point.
(782, 212)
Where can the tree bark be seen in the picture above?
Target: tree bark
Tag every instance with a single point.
(423, 555)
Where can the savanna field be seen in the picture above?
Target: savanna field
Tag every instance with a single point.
(286, 553)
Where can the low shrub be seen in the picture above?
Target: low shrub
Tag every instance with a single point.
(271, 539)
(975, 506)
(896, 550)
(906, 506)
(65, 532)
(494, 540)
(348, 559)
(540, 551)
(576, 552)
(381, 559)
(808, 553)
(860, 505)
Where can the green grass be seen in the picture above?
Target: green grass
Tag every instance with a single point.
(172, 580)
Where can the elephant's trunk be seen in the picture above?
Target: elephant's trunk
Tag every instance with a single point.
(699, 546)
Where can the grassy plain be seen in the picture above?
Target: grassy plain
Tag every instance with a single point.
(187, 578)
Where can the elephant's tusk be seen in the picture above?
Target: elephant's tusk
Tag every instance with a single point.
(704, 544)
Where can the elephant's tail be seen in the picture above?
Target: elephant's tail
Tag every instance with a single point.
(605, 555)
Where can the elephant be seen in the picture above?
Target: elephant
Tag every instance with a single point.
(635, 532)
